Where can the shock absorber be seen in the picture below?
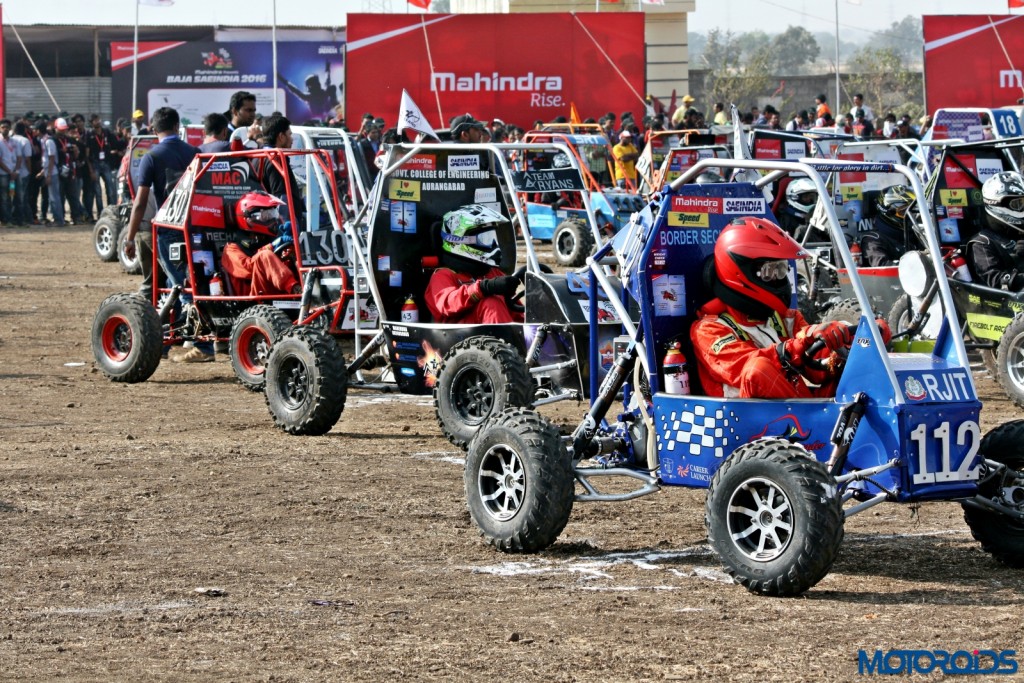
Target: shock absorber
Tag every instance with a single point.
(583, 444)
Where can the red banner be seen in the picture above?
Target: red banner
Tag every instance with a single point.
(965, 65)
(516, 67)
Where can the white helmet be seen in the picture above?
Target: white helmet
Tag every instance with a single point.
(1004, 201)
(802, 195)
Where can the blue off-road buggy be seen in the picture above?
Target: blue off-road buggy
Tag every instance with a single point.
(781, 475)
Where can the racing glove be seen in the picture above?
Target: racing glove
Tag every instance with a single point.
(836, 335)
(791, 351)
(503, 285)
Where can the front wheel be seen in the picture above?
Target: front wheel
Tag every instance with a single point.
(519, 482)
(306, 382)
(572, 243)
(1010, 360)
(252, 336)
(105, 236)
(480, 377)
(127, 339)
(1000, 535)
(774, 517)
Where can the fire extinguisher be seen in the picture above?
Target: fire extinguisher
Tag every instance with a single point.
(216, 288)
(855, 251)
(959, 266)
(410, 312)
(677, 380)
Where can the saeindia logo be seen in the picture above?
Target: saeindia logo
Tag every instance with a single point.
(961, 662)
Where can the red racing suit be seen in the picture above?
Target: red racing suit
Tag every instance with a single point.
(455, 297)
(738, 357)
(262, 273)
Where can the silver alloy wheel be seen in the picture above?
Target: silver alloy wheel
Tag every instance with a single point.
(760, 519)
(501, 481)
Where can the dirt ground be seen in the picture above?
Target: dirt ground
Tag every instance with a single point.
(351, 557)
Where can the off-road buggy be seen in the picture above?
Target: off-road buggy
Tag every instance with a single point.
(108, 234)
(129, 333)
(561, 217)
(781, 474)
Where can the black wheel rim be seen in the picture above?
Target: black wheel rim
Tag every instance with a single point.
(566, 243)
(760, 519)
(472, 395)
(501, 482)
(293, 382)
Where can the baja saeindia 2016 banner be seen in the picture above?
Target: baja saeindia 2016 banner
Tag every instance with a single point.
(517, 67)
(197, 78)
(973, 61)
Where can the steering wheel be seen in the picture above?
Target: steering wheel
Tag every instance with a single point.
(809, 359)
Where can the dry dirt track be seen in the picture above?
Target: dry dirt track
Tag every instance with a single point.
(351, 556)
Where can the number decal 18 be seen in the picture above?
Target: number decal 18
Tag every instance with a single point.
(967, 434)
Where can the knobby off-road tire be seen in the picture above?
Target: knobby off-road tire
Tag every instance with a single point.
(132, 266)
(479, 377)
(105, 235)
(252, 336)
(846, 310)
(774, 518)
(572, 243)
(127, 338)
(900, 315)
(1010, 360)
(306, 382)
(519, 482)
(999, 535)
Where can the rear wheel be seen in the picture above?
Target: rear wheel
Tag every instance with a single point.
(847, 310)
(306, 382)
(131, 264)
(900, 315)
(572, 243)
(252, 336)
(479, 377)
(1010, 360)
(774, 517)
(1000, 535)
(104, 236)
(519, 482)
(127, 339)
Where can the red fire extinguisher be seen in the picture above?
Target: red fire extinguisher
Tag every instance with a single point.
(855, 251)
(677, 380)
(410, 312)
(959, 266)
(216, 287)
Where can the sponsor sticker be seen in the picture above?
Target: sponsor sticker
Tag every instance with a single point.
(722, 342)
(464, 162)
(744, 206)
(953, 198)
(697, 204)
(404, 190)
(693, 220)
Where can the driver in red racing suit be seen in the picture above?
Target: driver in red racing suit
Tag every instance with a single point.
(262, 261)
(748, 342)
(469, 287)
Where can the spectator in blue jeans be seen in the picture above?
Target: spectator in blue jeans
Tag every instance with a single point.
(22, 211)
(9, 157)
(100, 143)
(158, 172)
(49, 176)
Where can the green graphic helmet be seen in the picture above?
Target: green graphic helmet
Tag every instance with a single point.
(469, 236)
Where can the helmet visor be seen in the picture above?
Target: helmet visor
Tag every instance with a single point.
(265, 216)
(1014, 203)
(773, 271)
(486, 240)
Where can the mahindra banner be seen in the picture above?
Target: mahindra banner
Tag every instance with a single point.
(965, 63)
(517, 67)
(197, 78)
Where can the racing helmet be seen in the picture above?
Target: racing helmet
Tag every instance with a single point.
(752, 258)
(470, 239)
(258, 212)
(893, 203)
(802, 195)
(1003, 194)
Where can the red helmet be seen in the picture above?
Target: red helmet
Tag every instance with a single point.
(257, 212)
(752, 266)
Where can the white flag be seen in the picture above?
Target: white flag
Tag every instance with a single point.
(652, 2)
(157, 3)
(410, 116)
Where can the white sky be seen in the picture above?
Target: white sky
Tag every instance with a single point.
(856, 20)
